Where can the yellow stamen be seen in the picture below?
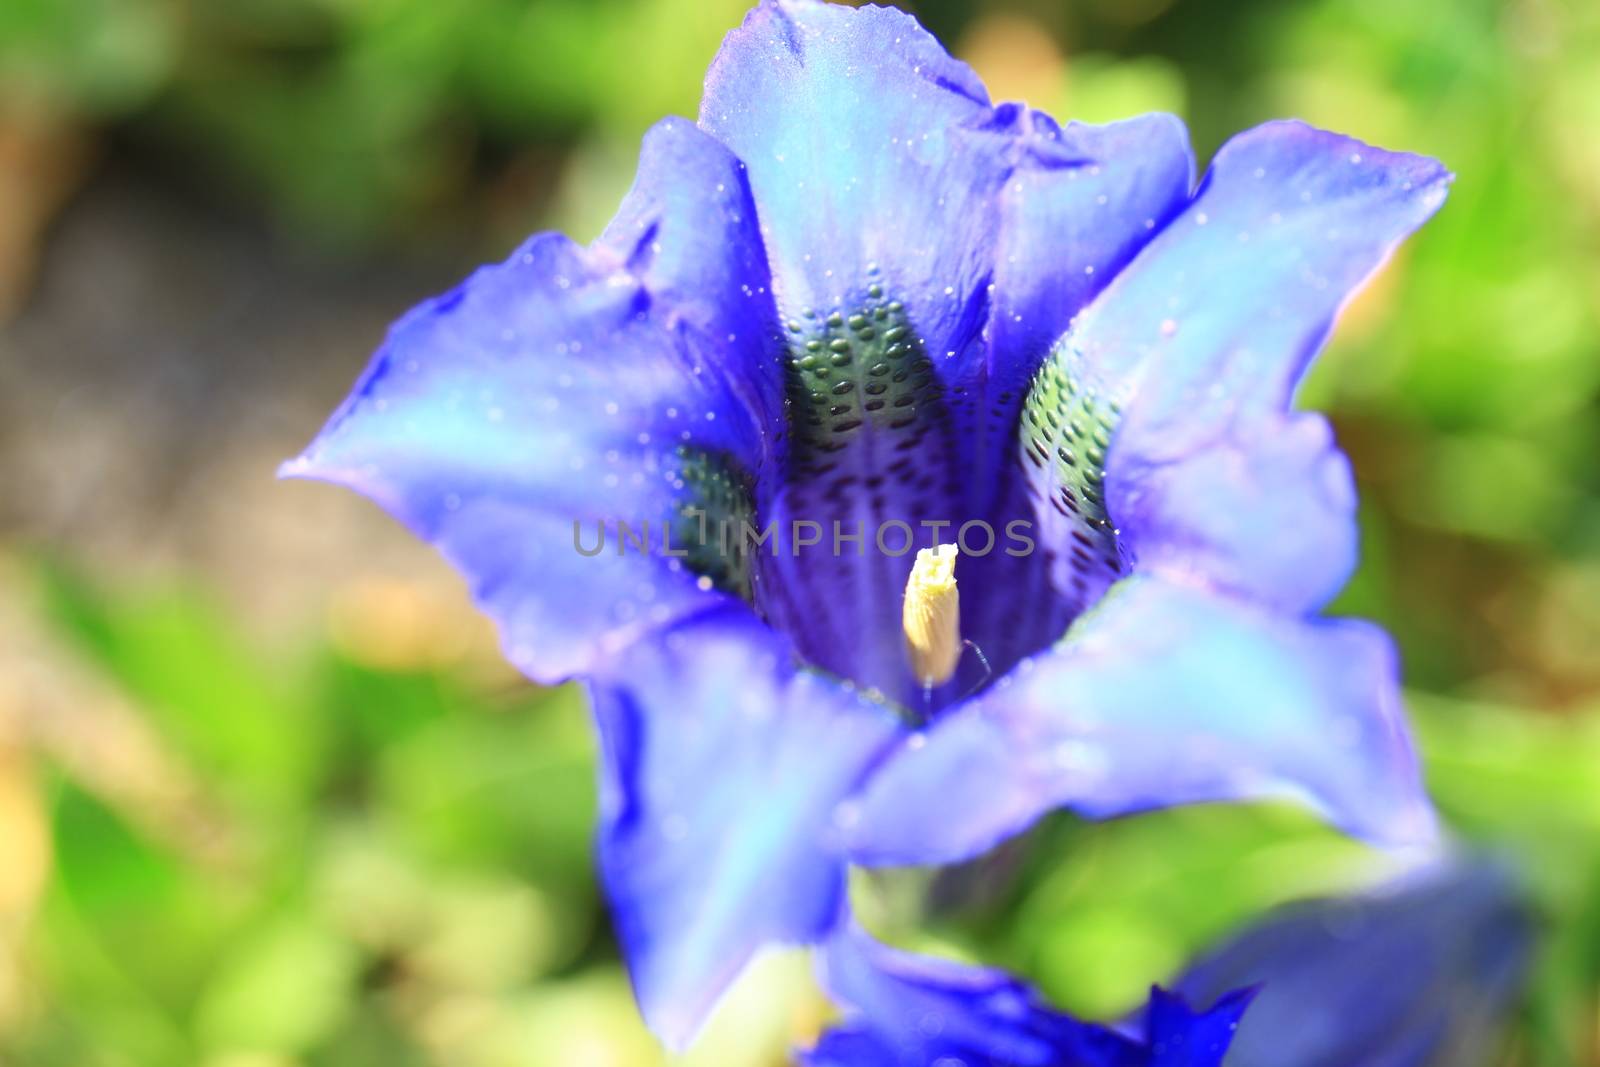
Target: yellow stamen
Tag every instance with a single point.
(932, 616)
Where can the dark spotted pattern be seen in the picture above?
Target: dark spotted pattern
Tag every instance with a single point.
(1064, 435)
(718, 505)
(871, 442)
(847, 371)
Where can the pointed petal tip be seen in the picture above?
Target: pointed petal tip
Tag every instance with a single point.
(1406, 828)
(1239, 999)
(1173, 123)
(298, 467)
(1423, 176)
(675, 1028)
(1230, 1005)
(308, 466)
(1416, 834)
(1401, 820)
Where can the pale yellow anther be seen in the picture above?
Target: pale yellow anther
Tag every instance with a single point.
(931, 616)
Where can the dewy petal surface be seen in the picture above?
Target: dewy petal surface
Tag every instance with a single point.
(580, 386)
(1204, 338)
(1066, 231)
(723, 765)
(1163, 694)
(1268, 509)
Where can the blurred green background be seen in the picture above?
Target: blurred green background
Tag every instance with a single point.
(269, 798)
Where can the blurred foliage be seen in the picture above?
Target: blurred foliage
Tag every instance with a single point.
(329, 854)
(359, 865)
(356, 118)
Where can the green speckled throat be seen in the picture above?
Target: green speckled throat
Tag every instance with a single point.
(877, 436)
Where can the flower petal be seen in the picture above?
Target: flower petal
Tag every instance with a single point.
(915, 1009)
(904, 1010)
(723, 766)
(1421, 972)
(1267, 510)
(1206, 334)
(567, 388)
(1065, 232)
(1179, 1036)
(1224, 310)
(1163, 694)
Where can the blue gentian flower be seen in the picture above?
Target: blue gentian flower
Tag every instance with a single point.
(1419, 974)
(858, 293)
(916, 1011)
